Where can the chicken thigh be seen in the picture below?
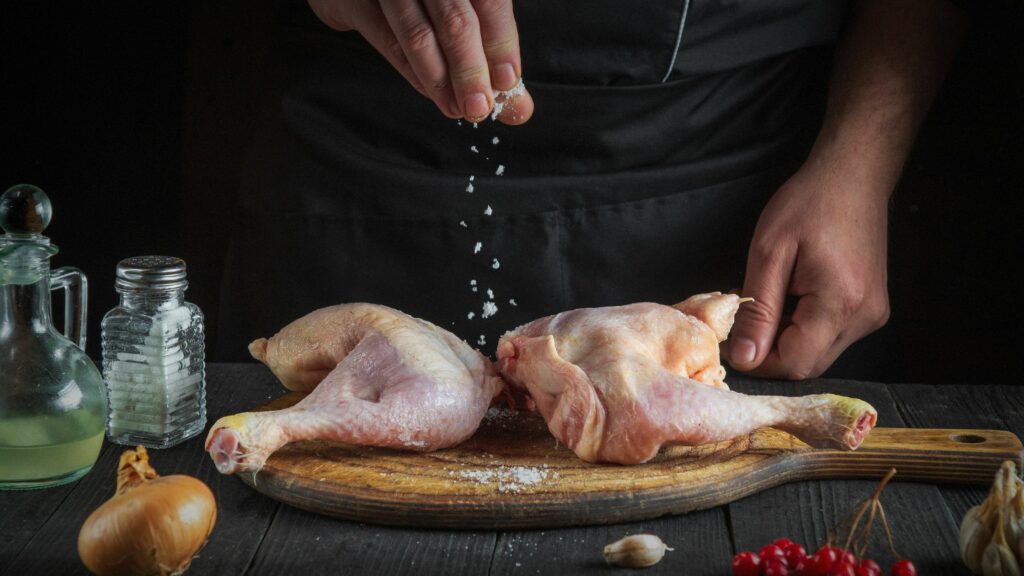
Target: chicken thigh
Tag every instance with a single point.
(615, 384)
(377, 377)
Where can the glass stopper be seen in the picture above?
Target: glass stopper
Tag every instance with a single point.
(24, 210)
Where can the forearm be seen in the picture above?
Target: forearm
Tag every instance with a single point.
(888, 67)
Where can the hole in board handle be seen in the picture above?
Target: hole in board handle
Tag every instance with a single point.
(967, 438)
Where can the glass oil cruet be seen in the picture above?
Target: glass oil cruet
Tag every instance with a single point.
(53, 403)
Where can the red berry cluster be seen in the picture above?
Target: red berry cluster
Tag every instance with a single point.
(787, 558)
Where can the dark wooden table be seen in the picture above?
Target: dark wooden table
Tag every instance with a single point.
(256, 535)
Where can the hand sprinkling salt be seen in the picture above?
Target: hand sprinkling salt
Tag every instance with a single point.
(500, 170)
(476, 249)
(495, 264)
(488, 211)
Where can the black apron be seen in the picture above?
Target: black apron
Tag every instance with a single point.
(639, 178)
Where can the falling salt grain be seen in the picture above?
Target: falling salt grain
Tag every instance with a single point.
(471, 178)
(512, 301)
(495, 140)
(469, 187)
(474, 124)
(500, 170)
(471, 315)
(474, 149)
(463, 224)
(476, 249)
(490, 309)
(481, 341)
(490, 294)
(495, 264)
(488, 211)
(472, 282)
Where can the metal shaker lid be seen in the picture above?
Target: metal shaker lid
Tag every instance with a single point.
(151, 273)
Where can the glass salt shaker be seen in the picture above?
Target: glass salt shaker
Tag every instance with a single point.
(153, 356)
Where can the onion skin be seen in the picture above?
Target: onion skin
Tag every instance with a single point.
(150, 527)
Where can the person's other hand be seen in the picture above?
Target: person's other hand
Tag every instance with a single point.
(455, 52)
(822, 239)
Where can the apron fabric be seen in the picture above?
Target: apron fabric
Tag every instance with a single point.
(639, 178)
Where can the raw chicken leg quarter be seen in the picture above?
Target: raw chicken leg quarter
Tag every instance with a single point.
(378, 378)
(615, 384)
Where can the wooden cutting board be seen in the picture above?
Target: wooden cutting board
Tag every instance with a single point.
(513, 474)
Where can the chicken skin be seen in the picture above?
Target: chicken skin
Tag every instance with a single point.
(615, 384)
(376, 377)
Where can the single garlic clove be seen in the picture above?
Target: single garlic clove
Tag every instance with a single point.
(636, 551)
(998, 560)
(974, 537)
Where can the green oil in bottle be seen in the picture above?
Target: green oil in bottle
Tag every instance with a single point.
(44, 451)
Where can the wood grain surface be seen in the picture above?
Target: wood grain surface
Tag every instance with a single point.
(513, 474)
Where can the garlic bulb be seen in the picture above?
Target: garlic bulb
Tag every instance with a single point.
(992, 533)
(998, 559)
(974, 538)
(636, 551)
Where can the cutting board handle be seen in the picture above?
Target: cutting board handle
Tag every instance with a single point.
(947, 455)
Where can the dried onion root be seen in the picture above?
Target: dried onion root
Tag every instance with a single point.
(153, 525)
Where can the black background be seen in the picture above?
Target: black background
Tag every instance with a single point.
(134, 117)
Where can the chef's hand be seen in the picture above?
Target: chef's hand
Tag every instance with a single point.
(822, 239)
(822, 236)
(455, 52)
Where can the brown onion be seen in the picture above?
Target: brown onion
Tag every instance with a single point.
(152, 526)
